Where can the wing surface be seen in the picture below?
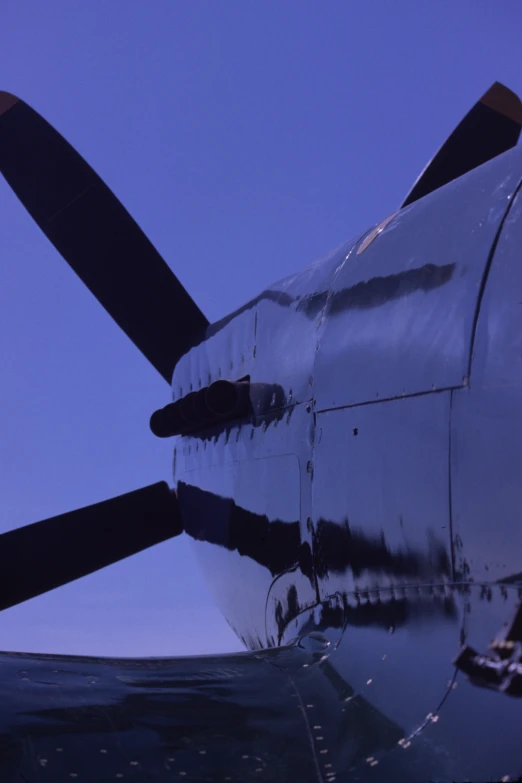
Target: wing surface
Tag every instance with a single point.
(265, 716)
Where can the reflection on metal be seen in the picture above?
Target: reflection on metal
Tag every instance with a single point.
(375, 701)
(152, 719)
(374, 233)
(411, 338)
(376, 385)
(502, 674)
(348, 469)
(486, 435)
(500, 670)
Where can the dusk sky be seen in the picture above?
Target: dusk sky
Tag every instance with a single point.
(247, 139)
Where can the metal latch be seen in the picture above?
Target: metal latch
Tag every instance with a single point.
(501, 669)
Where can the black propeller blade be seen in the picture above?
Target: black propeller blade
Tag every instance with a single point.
(97, 237)
(491, 127)
(39, 557)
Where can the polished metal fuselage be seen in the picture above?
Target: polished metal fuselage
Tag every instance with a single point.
(379, 503)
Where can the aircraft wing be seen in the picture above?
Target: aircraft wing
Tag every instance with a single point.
(274, 715)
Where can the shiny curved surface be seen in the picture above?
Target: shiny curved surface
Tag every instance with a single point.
(218, 718)
(374, 482)
(303, 712)
(400, 316)
(359, 528)
(486, 429)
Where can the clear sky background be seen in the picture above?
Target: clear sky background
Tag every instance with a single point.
(246, 138)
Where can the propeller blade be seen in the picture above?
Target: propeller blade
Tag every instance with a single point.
(97, 237)
(39, 557)
(490, 128)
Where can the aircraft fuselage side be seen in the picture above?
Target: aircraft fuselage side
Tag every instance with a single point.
(389, 470)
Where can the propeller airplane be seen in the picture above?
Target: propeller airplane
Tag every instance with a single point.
(347, 458)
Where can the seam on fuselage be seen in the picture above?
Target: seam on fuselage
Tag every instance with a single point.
(485, 277)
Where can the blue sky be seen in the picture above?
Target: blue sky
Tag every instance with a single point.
(246, 139)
